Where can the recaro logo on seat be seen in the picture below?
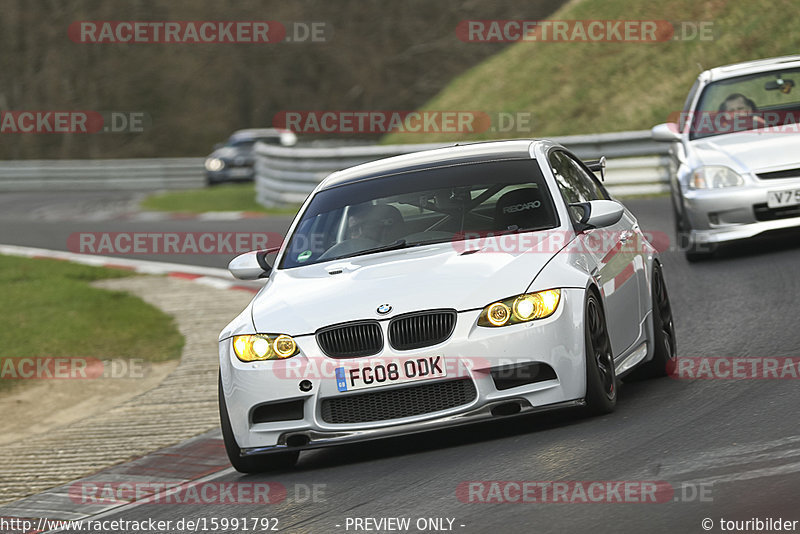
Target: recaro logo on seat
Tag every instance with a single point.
(520, 207)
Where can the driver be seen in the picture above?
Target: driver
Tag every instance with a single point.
(738, 105)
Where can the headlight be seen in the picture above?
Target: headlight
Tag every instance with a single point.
(258, 347)
(714, 177)
(521, 309)
(214, 164)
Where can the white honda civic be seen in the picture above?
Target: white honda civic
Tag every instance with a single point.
(436, 289)
(735, 155)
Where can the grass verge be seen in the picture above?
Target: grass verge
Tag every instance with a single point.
(227, 197)
(48, 309)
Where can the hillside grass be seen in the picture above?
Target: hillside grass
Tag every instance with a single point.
(583, 87)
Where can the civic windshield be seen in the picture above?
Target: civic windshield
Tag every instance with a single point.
(764, 100)
(409, 209)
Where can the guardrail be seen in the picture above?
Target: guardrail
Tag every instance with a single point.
(110, 174)
(286, 175)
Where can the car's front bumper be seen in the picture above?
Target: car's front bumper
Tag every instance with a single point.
(471, 352)
(728, 214)
(315, 439)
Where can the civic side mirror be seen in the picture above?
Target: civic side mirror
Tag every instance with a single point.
(251, 265)
(599, 213)
(666, 132)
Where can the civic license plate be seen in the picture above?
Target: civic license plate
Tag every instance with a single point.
(777, 199)
(376, 373)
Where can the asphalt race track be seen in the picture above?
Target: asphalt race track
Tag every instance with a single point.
(730, 449)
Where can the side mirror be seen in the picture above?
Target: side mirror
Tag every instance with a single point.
(599, 213)
(667, 132)
(251, 265)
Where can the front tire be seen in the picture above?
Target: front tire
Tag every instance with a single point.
(601, 378)
(683, 236)
(276, 461)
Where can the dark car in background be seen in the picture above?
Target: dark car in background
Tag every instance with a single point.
(233, 160)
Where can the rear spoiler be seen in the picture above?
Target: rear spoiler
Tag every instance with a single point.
(598, 165)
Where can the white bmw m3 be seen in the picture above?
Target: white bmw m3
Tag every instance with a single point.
(436, 289)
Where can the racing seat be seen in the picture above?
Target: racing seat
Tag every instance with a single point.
(382, 223)
(522, 208)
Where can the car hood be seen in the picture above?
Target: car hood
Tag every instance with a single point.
(750, 151)
(303, 299)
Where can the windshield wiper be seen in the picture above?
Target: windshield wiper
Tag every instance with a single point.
(517, 230)
(400, 243)
(429, 242)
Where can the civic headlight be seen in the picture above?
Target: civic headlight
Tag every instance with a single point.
(714, 177)
(521, 309)
(258, 347)
(214, 164)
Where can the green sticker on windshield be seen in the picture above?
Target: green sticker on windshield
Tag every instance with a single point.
(303, 256)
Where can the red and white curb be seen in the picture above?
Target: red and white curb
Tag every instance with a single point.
(208, 276)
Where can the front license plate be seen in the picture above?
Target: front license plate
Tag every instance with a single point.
(778, 199)
(376, 373)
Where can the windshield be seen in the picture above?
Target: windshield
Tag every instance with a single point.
(421, 207)
(764, 100)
